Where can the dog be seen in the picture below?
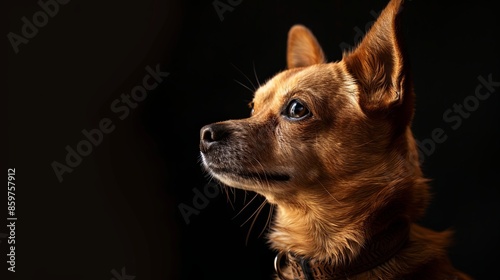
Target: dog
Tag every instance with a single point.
(330, 146)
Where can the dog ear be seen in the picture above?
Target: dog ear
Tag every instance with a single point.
(378, 65)
(302, 48)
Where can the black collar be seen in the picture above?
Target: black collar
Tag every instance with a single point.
(379, 249)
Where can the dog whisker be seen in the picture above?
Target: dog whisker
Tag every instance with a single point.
(269, 218)
(233, 191)
(255, 74)
(240, 83)
(228, 199)
(246, 205)
(255, 215)
(246, 77)
(264, 172)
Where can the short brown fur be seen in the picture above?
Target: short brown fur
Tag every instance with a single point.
(330, 145)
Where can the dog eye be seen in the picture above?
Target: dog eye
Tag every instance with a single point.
(296, 110)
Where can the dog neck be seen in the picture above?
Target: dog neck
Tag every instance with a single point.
(338, 236)
(376, 251)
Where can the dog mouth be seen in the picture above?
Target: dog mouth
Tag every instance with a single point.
(255, 176)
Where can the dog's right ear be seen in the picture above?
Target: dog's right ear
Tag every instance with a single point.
(302, 48)
(378, 63)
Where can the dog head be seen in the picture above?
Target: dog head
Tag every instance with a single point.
(320, 131)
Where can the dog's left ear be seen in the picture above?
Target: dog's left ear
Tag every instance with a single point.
(378, 65)
(302, 48)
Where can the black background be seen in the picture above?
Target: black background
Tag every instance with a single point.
(118, 210)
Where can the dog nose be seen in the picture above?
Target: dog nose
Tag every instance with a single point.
(211, 134)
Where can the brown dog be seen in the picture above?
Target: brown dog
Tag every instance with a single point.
(330, 145)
